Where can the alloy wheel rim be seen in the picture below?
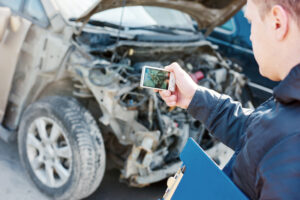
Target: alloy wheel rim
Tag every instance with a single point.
(49, 152)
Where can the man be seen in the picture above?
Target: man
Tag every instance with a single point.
(266, 163)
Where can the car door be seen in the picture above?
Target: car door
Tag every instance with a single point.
(13, 30)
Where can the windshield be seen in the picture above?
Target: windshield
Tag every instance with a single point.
(139, 16)
(133, 16)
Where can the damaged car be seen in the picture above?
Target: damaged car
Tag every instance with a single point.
(70, 87)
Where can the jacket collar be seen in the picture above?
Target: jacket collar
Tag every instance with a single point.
(288, 90)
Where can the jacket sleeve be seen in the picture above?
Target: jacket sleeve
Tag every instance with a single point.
(223, 117)
(278, 174)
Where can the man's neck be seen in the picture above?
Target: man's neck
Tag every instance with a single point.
(290, 62)
(290, 54)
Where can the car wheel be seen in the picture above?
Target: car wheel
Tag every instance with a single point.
(61, 148)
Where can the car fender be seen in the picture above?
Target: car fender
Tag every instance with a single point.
(13, 38)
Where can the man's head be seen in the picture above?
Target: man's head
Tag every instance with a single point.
(275, 34)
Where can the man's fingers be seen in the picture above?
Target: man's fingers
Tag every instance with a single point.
(170, 99)
(173, 67)
(171, 104)
(170, 68)
(165, 93)
(155, 90)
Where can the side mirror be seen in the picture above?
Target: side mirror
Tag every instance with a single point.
(5, 15)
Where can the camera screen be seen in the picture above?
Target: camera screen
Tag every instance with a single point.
(156, 78)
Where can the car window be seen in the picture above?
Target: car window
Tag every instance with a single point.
(13, 4)
(35, 10)
(229, 26)
(132, 16)
(138, 16)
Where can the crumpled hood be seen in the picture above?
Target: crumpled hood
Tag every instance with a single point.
(288, 90)
(207, 13)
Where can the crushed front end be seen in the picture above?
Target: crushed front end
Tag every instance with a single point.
(143, 136)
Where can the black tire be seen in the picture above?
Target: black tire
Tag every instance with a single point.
(87, 146)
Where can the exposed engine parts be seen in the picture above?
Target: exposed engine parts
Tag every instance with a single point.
(150, 134)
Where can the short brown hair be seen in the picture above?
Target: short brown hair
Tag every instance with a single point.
(291, 6)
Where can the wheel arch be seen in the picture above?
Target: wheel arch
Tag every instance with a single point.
(14, 111)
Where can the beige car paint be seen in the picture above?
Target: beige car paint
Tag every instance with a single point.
(10, 47)
(5, 14)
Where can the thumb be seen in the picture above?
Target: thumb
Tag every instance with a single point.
(174, 67)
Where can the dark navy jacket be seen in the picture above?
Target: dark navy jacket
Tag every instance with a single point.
(266, 164)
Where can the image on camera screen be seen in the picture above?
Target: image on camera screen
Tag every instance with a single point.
(156, 78)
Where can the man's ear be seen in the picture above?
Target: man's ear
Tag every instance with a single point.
(280, 22)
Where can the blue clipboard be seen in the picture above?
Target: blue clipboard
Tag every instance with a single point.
(202, 179)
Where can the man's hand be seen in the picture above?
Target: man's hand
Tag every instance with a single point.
(185, 88)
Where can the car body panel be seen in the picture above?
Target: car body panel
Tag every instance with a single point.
(10, 47)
